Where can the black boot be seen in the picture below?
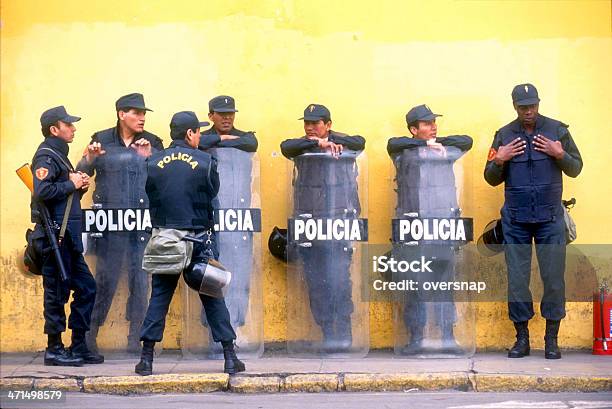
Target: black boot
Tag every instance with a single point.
(79, 349)
(415, 346)
(449, 344)
(232, 363)
(91, 338)
(551, 349)
(133, 338)
(57, 355)
(521, 346)
(145, 366)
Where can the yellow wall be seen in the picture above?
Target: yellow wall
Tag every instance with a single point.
(369, 62)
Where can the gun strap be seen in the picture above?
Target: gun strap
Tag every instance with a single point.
(57, 155)
(65, 221)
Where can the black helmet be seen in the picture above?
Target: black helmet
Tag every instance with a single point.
(208, 277)
(277, 243)
(491, 241)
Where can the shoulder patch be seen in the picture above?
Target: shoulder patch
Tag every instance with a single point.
(491, 155)
(42, 173)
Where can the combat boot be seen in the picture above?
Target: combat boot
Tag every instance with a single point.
(145, 366)
(232, 363)
(415, 346)
(449, 344)
(551, 349)
(57, 355)
(91, 338)
(79, 349)
(521, 346)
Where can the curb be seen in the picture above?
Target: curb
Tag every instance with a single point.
(313, 383)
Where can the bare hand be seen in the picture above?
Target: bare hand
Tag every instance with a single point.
(142, 147)
(551, 148)
(77, 179)
(507, 152)
(334, 148)
(86, 180)
(228, 137)
(93, 151)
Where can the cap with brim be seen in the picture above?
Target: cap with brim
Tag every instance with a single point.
(182, 121)
(529, 101)
(316, 112)
(135, 101)
(420, 113)
(53, 115)
(222, 103)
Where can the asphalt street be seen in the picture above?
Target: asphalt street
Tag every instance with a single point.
(385, 400)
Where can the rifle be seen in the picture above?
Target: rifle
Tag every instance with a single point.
(50, 226)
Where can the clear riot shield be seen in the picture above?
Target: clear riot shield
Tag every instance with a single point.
(430, 229)
(115, 238)
(327, 232)
(238, 229)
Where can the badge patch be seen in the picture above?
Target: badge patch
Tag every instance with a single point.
(41, 173)
(492, 153)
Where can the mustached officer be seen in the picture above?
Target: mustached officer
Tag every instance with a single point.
(426, 186)
(326, 187)
(182, 181)
(529, 156)
(60, 188)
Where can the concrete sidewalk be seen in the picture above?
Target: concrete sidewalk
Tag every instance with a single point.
(380, 371)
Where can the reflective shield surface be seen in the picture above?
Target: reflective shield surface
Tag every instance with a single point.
(327, 232)
(429, 231)
(238, 227)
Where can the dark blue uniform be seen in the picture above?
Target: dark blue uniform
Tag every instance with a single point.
(325, 187)
(246, 141)
(53, 186)
(181, 185)
(533, 211)
(426, 185)
(236, 250)
(120, 183)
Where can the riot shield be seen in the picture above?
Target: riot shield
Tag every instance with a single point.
(327, 232)
(429, 231)
(115, 239)
(238, 227)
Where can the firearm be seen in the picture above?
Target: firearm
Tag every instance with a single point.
(25, 174)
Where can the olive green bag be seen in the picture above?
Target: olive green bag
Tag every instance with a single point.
(167, 252)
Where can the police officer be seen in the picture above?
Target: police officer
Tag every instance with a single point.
(223, 134)
(529, 155)
(57, 186)
(426, 186)
(326, 188)
(181, 184)
(117, 157)
(235, 172)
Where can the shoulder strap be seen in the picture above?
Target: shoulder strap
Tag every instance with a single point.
(57, 155)
(65, 221)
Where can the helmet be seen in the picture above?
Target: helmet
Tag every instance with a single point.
(491, 241)
(277, 243)
(208, 277)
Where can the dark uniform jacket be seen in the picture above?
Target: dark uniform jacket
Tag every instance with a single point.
(533, 180)
(181, 184)
(246, 140)
(52, 186)
(325, 186)
(120, 173)
(425, 178)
